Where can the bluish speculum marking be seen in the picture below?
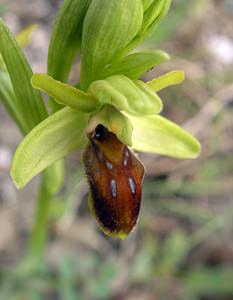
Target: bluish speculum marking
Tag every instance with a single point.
(132, 185)
(126, 158)
(113, 188)
(109, 165)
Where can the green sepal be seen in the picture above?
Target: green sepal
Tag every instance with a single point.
(65, 94)
(134, 97)
(55, 137)
(168, 79)
(109, 26)
(155, 134)
(115, 121)
(136, 64)
(66, 38)
(29, 103)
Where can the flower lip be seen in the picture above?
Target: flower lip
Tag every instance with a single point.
(115, 186)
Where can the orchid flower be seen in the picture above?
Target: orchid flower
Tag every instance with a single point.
(110, 113)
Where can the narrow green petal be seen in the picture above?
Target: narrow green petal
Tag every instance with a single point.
(109, 26)
(29, 102)
(155, 134)
(134, 97)
(65, 94)
(168, 79)
(136, 64)
(51, 140)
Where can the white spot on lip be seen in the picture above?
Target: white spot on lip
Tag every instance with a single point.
(132, 185)
(113, 188)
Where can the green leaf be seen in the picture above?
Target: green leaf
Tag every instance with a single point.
(51, 140)
(8, 98)
(168, 79)
(66, 38)
(155, 134)
(29, 102)
(136, 64)
(135, 97)
(65, 94)
(109, 26)
(115, 121)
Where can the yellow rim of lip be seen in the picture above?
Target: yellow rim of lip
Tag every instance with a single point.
(121, 235)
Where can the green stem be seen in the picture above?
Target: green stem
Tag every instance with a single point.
(39, 232)
(51, 183)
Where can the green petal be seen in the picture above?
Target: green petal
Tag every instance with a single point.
(168, 79)
(66, 38)
(155, 134)
(135, 97)
(29, 102)
(65, 94)
(115, 121)
(51, 140)
(109, 26)
(136, 64)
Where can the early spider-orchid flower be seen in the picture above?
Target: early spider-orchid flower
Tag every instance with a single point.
(110, 113)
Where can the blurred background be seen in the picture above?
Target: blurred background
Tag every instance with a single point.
(182, 246)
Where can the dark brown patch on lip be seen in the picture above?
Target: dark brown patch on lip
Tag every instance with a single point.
(115, 192)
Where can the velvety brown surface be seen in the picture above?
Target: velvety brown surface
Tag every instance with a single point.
(115, 176)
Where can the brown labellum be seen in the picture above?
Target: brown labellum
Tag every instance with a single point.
(115, 176)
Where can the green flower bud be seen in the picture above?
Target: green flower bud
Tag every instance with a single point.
(154, 12)
(153, 15)
(109, 26)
